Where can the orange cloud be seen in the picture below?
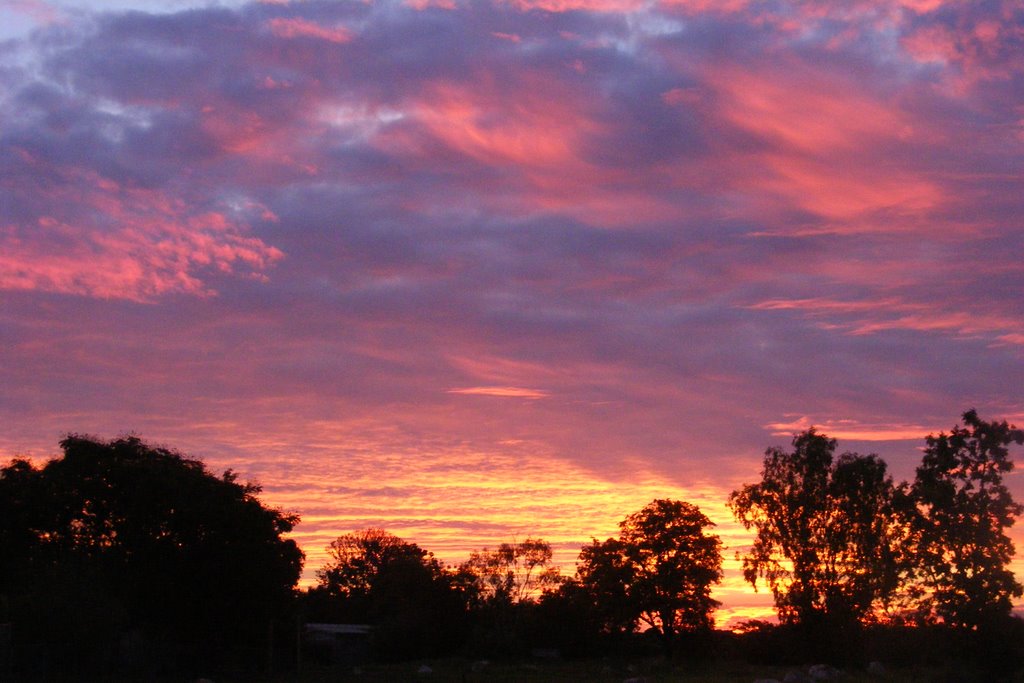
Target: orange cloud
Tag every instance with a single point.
(506, 392)
(851, 429)
(499, 369)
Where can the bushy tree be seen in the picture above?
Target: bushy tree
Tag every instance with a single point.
(658, 572)
(604, 572)
(119, 536)
(964, 511)
(359, 562)
(830, 532)
(416, 606)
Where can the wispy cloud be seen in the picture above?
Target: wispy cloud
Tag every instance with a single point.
(503, 392)
(300, 28)
(872, 316)
(852, 429)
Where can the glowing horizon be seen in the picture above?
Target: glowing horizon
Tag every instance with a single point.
(493, 498)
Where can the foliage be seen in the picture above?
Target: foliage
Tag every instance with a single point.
(568, 619)
(964, 511)
(658, 572)
(360, 560)
(504, 587)
(513, 572)
(120, 528)
(603, 570)
(829, 532)
(416, 606)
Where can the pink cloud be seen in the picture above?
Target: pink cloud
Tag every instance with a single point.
(39, 10)
(622, 6)
(873, 315)
(852, 429)
(533, 133)
(576, 5)
(535, 137)
(425, 4)
(495, 369)
(511, 37)
(981, 46)
(300, 28)
(1013, 338)
(820, 134)
(707, 6)
(112, 241)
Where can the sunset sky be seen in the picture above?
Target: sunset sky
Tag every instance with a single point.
(476, 270)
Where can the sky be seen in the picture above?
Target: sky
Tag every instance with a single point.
(480, 270)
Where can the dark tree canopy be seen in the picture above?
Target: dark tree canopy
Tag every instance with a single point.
(360, 561)
(504, 587)
(658, 572)
(829, 532)
(415, 605)
(146, 540)
(964, 511)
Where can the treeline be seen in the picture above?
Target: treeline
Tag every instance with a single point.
(511, 600)
(121, 557)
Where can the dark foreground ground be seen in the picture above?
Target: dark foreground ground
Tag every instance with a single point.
(463, 671)
(651, 671)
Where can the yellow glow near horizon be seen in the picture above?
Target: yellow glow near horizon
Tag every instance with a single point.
(452, 499)
(490, 498)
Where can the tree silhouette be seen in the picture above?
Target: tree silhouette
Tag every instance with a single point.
(829, 532)
(964, 512)
(504, 586)
(122, 537)
(374, 577)
(360, 560)
(513, 572)
(658, 572)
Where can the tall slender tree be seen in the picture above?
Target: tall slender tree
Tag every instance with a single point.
(829, 532)
(964, 512)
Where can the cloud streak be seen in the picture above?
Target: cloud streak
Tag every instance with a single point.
(503, 392)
